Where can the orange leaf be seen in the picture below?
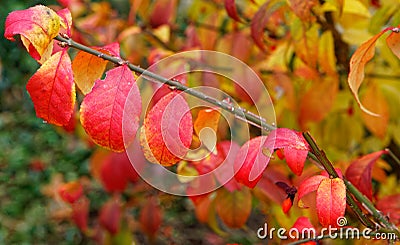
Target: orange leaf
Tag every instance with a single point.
(102, 109)
(317, 102)
(233, 207)
(309, 185)
(52, 89)
(206, 126)
(71, 191)
(37, 26)
(87, 67)
(363, 54)
(360, 171)
(167, 130)
(393, 41)
(374, 100)
(331, 201)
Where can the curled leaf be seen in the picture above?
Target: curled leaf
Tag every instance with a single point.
(363, 54)
(230, 8)
(102, 109)
(37, 26)
(52, 89)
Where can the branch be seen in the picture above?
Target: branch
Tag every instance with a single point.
(352, 192)
(315, 154)
(237, 111)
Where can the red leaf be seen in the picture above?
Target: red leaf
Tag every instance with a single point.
(80, 213)
(260, 19)
(304, 226)
(295, 148)
(363, 54)
(360, 171)
(393, 41)
(110, 216)
(115, 172)
(167, 130)
(71, 191)
(52, 89)
(102, 109)
(250, 161)
(230, 7)
(162, 12)
(37, 26)
(309, 185)
(331, 201)
(390, 205)
(233, 207)
(150, 217)
(66, 20)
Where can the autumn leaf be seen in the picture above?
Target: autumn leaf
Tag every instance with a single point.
(326, 53)
(302, 8)
(304, 227)
(150, 217)
(309, 185)
(233, 207)
(251, 160)
(393, 41)
(87, 68)
(167, 130)
(162, 12)
(66, 20)
(71, 191)
(206, 126)
(37, 26)
(52, 89)
(110, 216)
(80, 213)
(360, 171)
(331, 201)
(261, 18)
(294, 147)
(390, 205)
(317, 102)
(102, 109)
(358, 60)
(374, 100)
(230, 8)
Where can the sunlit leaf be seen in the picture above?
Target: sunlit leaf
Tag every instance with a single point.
(233, 207)
(326, 53)
(167, 130)
(360, 171)
(87, 68)
(206, 126)
(102, 109)
(363, 54)
(52, 90)
(37, 26)
(331, 201)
